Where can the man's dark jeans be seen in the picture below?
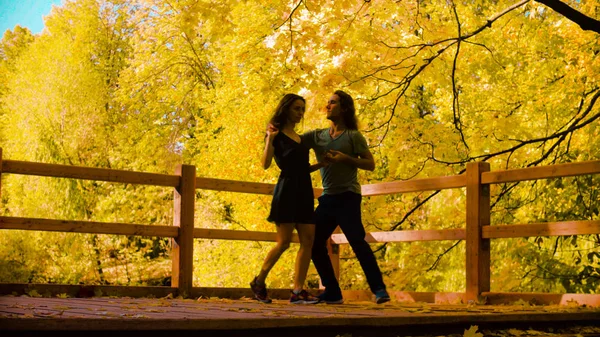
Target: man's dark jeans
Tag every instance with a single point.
(344, 210)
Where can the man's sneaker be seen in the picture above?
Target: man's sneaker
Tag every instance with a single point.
(381, 296)
(303, 298)
(331, 297)
(260, 292)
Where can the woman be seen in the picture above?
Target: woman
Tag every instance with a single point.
(292, 205)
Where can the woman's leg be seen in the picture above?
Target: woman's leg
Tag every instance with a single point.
(284, 237)
(306, 234)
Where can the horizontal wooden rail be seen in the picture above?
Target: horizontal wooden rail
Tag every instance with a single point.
(542, 172)
(79, 290)
(88, 227)
(542, 229)
(240, 186)
(234, 186)
(86, 290)
(488, 232)
(407, 236)
(416, 185)
(89, 173)
(228, 234)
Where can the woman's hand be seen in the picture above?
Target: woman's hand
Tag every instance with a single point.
(267, 156)
(272, 131)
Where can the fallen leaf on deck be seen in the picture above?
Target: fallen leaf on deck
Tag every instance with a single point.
(472, 332)
(515, 332)
(62, 307)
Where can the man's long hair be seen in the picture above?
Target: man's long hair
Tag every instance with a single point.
(348, 110)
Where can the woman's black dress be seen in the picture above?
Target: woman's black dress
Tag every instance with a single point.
(293, 200)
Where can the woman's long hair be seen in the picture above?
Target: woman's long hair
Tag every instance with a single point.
(348, 110)
(280, 117)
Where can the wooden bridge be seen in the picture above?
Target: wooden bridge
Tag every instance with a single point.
(24, 316)
(15, 315)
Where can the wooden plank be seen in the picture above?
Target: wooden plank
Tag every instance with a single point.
(407, 236)
(274, 325)
(119, 307)
(542, 229)
(228, 234)
(234, 186)
(407, 296)
(47, 312)
(84, 291)
(89, 227)
(278, 326)
(238, 293)
(89, 173)
(590, 300)
(182, 252)
(477, 248)
(100, 307)
(147, 308)
(541, 172)
(414, 185)
(372, 237)
(240, 186)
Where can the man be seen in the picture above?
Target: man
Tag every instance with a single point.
(345, 150)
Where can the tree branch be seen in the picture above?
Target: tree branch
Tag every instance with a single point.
(437, 261)
(455, 91)
(584, 21)
(405, 82)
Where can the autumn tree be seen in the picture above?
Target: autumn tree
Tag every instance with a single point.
(148, 84)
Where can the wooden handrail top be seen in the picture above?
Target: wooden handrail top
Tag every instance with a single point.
(89, 173)
(542, 172)
(415, 185)
(384, 188)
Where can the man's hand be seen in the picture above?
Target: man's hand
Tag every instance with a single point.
(333, 156)
(364, 161)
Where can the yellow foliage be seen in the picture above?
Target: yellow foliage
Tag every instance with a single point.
(146, 85)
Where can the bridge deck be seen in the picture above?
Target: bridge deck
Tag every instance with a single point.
(102, 316)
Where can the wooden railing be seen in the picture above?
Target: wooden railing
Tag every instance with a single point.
(477, 233)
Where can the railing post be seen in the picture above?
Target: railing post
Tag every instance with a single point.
(0, 174)
(182, 252)
(478, 249)
(334, 254)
